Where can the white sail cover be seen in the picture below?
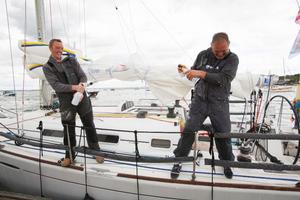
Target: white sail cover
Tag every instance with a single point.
(163, 80)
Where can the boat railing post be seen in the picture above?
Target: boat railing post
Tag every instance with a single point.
(195, 155)
(137, 153)
(137, 156)
(40, 127)
(69, 143)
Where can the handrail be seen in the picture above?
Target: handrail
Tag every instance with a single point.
(111, 155)
(7, 110)
(266, 166)
(248, 135)
(29, 142)
(258, 136)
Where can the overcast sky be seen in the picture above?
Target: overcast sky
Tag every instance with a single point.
(262, 32)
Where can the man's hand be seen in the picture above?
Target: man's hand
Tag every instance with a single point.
(78, 88)
(195, 73)
(83, 84)
(182, 68)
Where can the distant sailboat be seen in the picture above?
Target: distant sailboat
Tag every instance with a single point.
(8, 93)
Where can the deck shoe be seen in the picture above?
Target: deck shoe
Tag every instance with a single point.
(228, 173)
(175, 171)
(99, 159)
(66, 162)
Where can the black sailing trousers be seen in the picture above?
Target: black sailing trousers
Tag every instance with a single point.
(218, 112)
(68, 119)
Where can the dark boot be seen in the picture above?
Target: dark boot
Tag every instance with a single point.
(95, 146)
(228, 173)
(176, 170)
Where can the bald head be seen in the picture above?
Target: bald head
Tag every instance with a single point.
(220, 45)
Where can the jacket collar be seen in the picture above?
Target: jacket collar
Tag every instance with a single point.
(53, 61)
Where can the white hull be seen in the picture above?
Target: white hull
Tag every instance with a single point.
(19, 167)
(106, 182)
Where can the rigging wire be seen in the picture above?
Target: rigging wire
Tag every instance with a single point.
(51, 24)
(24, 64)
(80, 23)
(131, 22)
(84, 30)
(63, 21)
(167, 31)
(12, 63)
(138, 48)
(122, 27)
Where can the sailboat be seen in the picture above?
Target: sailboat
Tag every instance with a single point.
(137, 141)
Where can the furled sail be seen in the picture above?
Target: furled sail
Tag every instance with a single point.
(163, 80)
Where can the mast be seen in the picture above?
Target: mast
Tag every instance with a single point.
(45, 89)
(40, 20)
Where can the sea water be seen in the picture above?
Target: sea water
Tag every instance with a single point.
(29, 100)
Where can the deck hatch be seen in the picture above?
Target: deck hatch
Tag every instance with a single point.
(53, 133)
(108, 138)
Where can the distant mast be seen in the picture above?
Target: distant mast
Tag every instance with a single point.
(45, 89)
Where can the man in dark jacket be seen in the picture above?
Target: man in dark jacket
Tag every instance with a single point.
(66, 77)
(215, 67)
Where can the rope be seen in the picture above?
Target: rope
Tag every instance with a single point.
(245, 110)
(264, 142)
(12, 63)
(258, 106)
(263, 119)
(253, 108)
(280, 115)
(267, 99)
